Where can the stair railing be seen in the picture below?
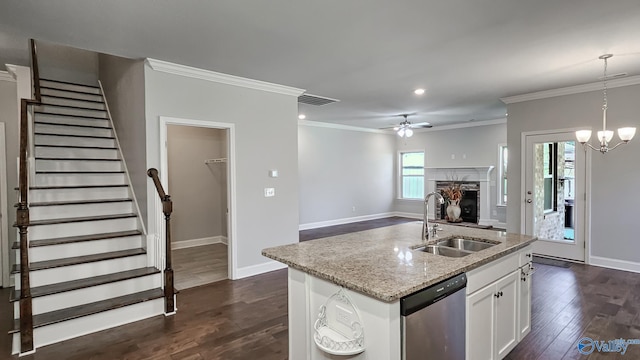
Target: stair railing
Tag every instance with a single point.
(22, 213)
(167, 208)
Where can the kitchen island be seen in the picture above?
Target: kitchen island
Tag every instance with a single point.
(374, 269)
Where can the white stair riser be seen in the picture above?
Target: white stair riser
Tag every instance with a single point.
(44, 253)
(50, 195)
(72, 87)
(89, 324)
(79, 179)
(72, 111)
(81, 271)
(72, 102)
(78, 165)
(61, 152)
(70, 94)
(81, 228)
(72, 130)
(80, 210)
(71, 120)
(68, 299)
(73, 141)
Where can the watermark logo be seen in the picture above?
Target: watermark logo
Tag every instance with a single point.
(587, 345)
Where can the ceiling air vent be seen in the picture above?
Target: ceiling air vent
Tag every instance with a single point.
(315, 100)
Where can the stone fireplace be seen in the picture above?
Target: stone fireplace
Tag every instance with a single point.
(474, 180)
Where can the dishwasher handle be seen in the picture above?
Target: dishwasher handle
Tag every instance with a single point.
(423, 298)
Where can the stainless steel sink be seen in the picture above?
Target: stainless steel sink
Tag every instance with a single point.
(465, 244)
(444, 251)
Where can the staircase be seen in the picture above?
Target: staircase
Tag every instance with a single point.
(88, 263)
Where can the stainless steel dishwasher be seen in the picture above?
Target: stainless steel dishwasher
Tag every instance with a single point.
(433, 321)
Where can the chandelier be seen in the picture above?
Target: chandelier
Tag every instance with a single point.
(605, 136)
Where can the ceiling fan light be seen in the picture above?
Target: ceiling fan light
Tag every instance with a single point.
(408, 133)
(583, 136)
(605, 136)
(626, 133)
(401, 132)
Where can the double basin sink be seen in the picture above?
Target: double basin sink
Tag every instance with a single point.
(456, 247)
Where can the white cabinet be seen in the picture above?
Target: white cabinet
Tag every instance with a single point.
(498, 306)
(506, 324)
(524, 301)
(492, 319)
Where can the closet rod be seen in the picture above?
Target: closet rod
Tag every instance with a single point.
(213, 161)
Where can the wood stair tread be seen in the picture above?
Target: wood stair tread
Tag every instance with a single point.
(80, 172)
(85, 283)
(79, 136)
(80, 238)
(90, 309)
(72, 98)
(72, 125)
(81, 219)
(42, 103)
(79, 202)
(66, 187)
(67, 90)
(71, 115)
(69, 83)
(76, 159)
(78, 147)
(48, 264)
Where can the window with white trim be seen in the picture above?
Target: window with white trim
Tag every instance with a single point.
(503, 159)
(412, 175)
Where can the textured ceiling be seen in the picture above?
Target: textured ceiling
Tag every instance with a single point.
(370, 54)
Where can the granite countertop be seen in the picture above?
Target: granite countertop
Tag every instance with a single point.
(380, 262)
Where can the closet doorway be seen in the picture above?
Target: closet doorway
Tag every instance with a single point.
(197, 163)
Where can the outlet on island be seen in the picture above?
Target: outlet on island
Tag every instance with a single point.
(269, 192)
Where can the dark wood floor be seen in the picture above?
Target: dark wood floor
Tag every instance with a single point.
(247, 319)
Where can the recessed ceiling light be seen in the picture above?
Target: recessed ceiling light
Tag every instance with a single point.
(302, 116)
(418, 91)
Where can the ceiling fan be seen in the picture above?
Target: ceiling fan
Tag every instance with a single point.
(405, 128)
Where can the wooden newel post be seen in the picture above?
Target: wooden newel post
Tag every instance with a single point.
(167, 208)
(26, 318)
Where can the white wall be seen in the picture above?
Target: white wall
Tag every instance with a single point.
(471, 146)
(614, 177)
(9, 116)
(198, 190)
(340, 169)
(65, 63)
(123, 83)
(266, 138)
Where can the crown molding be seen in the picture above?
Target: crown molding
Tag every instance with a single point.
(6, 76)
(577, 89)
(464, 125)
(341, 127)
(208, 75)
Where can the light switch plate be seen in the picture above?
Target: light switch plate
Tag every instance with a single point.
(269, 192)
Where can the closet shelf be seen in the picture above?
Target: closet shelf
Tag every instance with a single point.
(214, 161)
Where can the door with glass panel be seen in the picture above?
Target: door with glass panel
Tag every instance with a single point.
(554, 199)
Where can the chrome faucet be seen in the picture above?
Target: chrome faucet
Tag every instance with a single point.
(425, 220)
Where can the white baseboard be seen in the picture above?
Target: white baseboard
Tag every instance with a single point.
(183, 244)
(258, 269)
(350, 220)
(416, 216)
(615, 264)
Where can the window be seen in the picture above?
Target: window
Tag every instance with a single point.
(550, 164)
(412, 175)
(503, 158)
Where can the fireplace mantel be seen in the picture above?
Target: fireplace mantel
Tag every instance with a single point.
(482, 174)
(461, 173)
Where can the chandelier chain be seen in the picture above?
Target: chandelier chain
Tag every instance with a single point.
(605, 105)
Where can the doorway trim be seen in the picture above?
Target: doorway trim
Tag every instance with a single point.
(587, 185)
(4, 230)
(232, 252)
